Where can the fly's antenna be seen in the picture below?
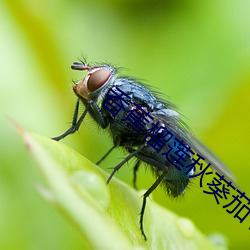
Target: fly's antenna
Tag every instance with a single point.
(80, 66)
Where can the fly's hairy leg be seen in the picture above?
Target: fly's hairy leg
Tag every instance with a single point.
(75, 123)
(91, 107)
(135, 169)
(105, 155)
(145, 196)
(124, 161)
(97, 114)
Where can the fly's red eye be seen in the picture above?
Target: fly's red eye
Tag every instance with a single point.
(97, 79)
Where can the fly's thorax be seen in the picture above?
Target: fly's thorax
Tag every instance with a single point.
(95, 84)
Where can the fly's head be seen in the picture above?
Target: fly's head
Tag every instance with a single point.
(96, 79)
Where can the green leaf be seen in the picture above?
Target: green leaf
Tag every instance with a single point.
(107, 215)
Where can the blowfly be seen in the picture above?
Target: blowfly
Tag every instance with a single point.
(147, 126)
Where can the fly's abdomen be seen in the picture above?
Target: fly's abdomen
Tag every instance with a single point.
(172, 158)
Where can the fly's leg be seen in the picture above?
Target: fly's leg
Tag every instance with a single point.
(97, 114)
(105, 155)
(135, 169)
(145, 196)
(75, 124)
(92, 108)
(124, 161)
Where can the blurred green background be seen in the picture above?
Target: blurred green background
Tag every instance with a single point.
(195, 52)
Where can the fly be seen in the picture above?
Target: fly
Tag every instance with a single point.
(147, 126)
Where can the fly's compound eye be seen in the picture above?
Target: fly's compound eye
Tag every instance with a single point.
(97, 79)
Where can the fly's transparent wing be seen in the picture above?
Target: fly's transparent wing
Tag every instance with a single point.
(210, 157)
(172, 120)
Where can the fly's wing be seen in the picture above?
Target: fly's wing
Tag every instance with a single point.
(171, 120)
(210, 157)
